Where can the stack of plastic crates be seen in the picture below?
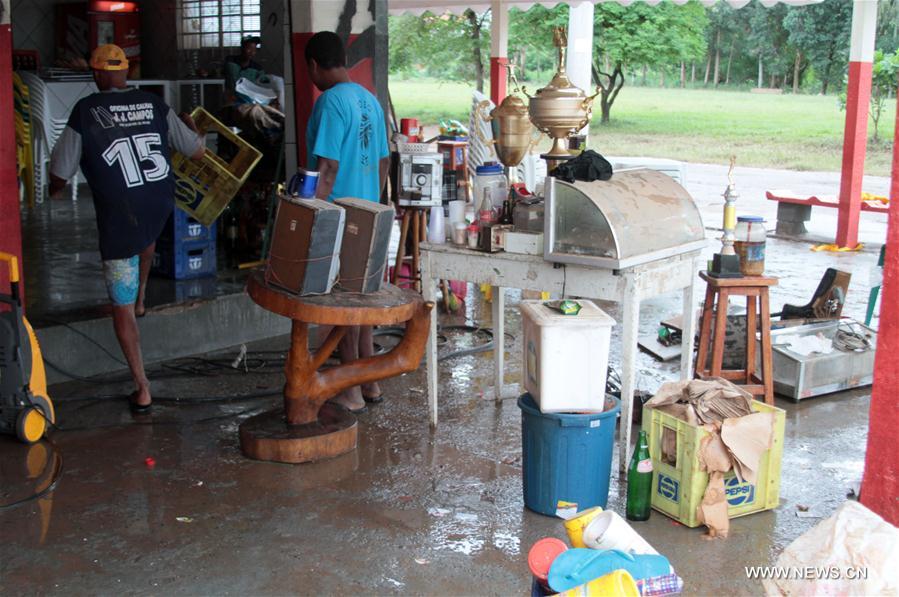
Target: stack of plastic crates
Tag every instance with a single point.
(185, 249)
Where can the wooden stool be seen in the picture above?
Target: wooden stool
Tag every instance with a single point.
(309, 428)
(754, 288)
(415, 218)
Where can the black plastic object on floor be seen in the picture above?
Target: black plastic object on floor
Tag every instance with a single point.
(828, 300)
(588, 166)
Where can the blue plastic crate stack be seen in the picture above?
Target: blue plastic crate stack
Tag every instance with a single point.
(185, 249)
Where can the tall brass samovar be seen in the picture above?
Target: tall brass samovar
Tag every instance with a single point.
(560, 109)
(511, 126)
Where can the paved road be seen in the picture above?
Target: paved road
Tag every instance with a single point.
(706, 182)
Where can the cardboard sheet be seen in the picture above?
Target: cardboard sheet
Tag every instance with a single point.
(746, 439)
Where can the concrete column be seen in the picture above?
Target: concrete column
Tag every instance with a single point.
(855, 133)
(10, 222)
(363, 27)
(499, 50)
(290, 119)
(880, 484)
(580, 47)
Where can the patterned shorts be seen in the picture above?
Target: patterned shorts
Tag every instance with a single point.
(122, 280)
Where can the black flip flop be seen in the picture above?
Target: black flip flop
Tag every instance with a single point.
(138, 408)
(358, 411)
(374, 399)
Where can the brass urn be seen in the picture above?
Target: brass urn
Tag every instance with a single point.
(560, 109)
(511, 126)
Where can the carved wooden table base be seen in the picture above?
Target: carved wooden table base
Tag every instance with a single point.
(309, 429)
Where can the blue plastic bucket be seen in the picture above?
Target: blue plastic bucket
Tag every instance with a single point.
(565, 457)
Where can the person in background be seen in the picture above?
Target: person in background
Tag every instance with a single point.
(346, 141)
(121, 139)
(247, 113)
(242, 66)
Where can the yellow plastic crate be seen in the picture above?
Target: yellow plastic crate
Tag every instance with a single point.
(677, 489)
(204, 188)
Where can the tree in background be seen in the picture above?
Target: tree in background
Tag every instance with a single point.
(722, 33)
(447, 46)
(821, 33)
(531, 37)
(769, 41)
(883, 85)
(766, 46)
(640, 34)
(888, 25)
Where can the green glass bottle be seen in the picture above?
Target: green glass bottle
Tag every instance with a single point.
(639, 481)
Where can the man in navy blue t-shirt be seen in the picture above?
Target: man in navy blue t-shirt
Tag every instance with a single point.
(121, 138)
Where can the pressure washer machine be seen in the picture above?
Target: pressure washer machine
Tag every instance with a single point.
(25, 409)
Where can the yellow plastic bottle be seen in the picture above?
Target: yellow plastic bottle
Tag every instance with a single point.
(575, 526)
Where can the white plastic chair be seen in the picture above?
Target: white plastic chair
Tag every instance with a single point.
(479, 151)
(47, 130)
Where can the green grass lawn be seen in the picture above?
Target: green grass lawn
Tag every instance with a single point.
(799, 132)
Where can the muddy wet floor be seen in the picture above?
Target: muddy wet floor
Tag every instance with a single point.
(410, 511)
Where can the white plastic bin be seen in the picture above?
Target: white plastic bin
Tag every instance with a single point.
(565, 357)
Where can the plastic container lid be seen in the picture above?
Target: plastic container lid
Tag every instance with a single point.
(589, 315)
(542, 555)
(753, 219)
(489, 168)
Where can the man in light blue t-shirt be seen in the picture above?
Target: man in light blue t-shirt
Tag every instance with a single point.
(346, 142)
(346, 139)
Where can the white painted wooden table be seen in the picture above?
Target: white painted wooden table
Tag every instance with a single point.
(531, 272)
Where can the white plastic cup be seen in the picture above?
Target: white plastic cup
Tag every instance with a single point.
(437, 226)
(456, 212)
(610, 531)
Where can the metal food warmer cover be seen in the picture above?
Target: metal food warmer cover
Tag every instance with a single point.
(636, 217)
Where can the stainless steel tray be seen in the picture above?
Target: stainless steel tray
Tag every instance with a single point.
(799, 377)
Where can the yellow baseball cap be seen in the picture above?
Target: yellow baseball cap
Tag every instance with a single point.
(109, 57)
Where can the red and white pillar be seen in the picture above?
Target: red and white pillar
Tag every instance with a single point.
(855, 135)
(10, 221)
(880, 484)
(499, 50)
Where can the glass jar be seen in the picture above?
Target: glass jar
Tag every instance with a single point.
(750, 244)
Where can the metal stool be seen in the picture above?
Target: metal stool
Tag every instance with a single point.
(717, 293)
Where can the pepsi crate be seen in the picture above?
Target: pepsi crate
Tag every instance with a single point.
(185, 260)
(182, 227)
(677, 488)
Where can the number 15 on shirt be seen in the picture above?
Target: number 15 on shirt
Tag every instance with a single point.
(131, 152)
